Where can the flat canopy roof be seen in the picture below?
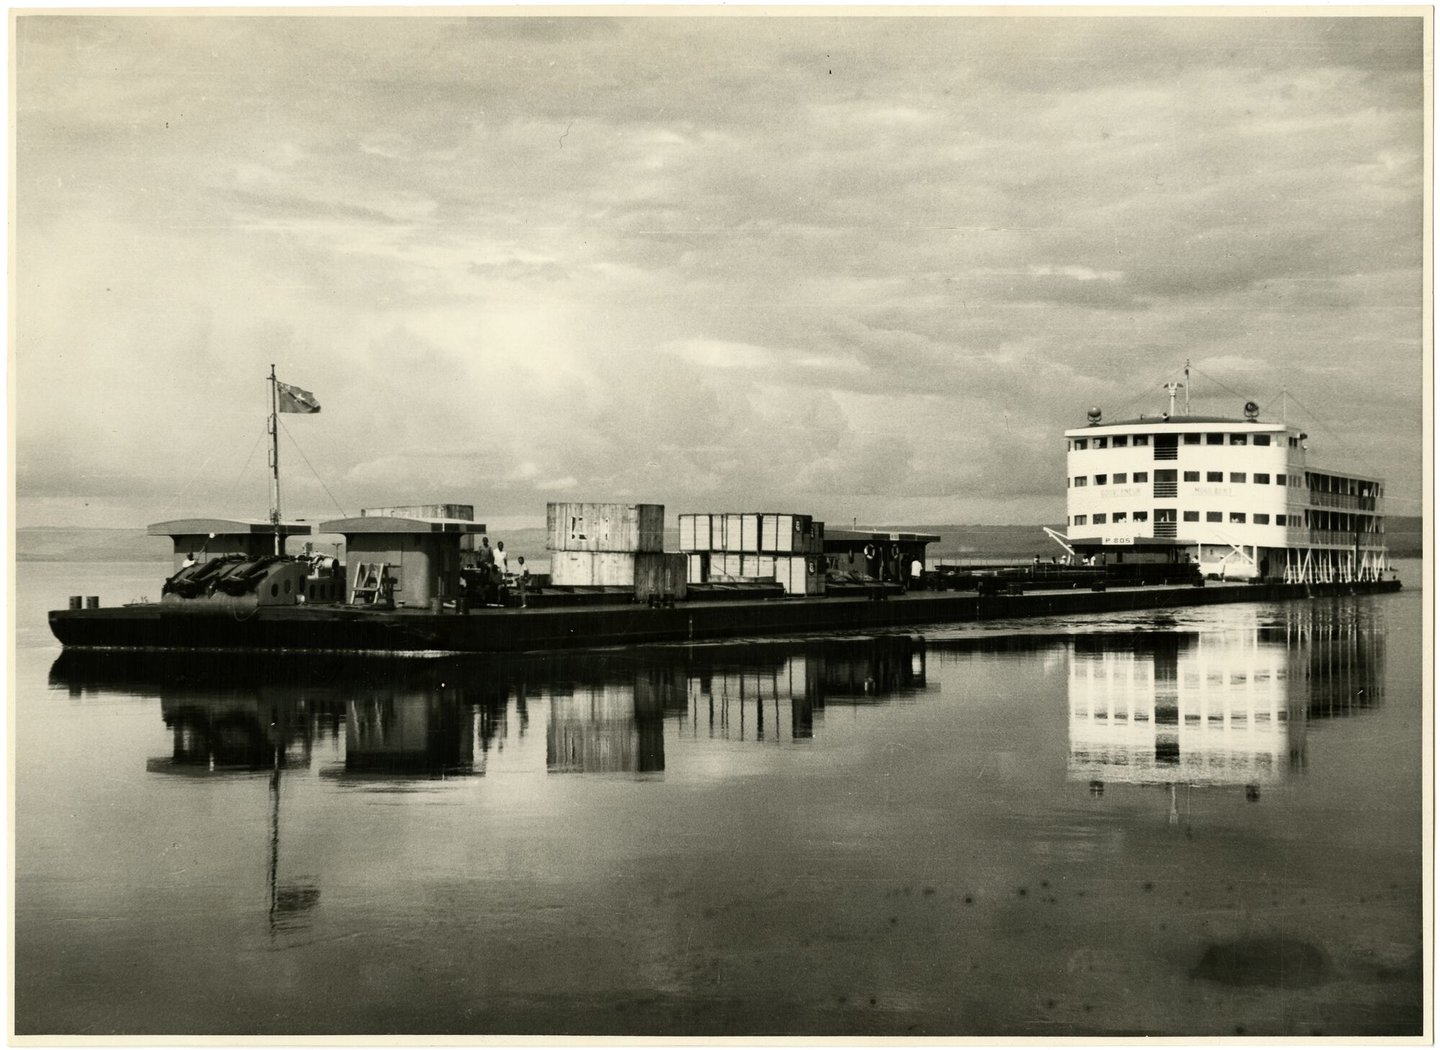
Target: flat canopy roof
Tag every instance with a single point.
(1248, 425)
(224, 527)
(865, 536)
(386, 525)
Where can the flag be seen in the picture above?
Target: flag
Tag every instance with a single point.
(293, 399)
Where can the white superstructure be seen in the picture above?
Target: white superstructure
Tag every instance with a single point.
(1238, 496)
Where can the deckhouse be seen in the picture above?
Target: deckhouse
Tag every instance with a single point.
(1238, 496)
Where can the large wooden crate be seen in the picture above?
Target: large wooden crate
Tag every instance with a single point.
(660, 577)
(607, 527)
(592, 569)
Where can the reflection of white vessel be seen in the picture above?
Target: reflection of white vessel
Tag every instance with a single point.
(1212, 709)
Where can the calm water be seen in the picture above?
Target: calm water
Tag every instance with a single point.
(1201, 822)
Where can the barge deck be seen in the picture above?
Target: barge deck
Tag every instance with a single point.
(341, 628)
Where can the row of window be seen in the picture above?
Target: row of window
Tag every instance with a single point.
(1235, 517)
(1140, 477)
(1139, 440)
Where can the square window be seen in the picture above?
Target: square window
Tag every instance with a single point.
(1262, 439)
(1237, 517)
(1100, 442)
(1119, 479)
(1142, 476)
(1262, 519)
(1293, 443)
(1141, 515)
(1238, 439)
(1080, 444)
(1212, 515)
(1261, 479)
(1214, 475)
(1192, 439)
(1214, 439)
(1118, 517)
(1080, 519)
(1099, 479)
(1191, 515)
(1192, 475)
(1080, 482)
(1099, 519)
(1142, 439)
(1280, 479)
(1280, 519)
(1237, 477)
(1119, 441)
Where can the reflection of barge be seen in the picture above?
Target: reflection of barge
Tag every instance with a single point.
(423, 579)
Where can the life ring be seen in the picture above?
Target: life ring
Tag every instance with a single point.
(810, 565)
(894, 550)
(869, 551)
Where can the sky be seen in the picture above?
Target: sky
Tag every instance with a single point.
(866, 268)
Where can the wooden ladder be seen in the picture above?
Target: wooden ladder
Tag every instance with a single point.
(372, 584)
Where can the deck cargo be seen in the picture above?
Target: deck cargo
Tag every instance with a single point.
(605, 527)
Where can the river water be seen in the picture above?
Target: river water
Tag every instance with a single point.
(1196, 822)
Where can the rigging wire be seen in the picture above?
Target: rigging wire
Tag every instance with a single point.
(1339, 441)
(343, 512)
(234, 485)
(1164, 377)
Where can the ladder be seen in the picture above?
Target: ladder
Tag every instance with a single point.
(372, 584)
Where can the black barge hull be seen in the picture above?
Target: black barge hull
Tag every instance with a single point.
(321, 628)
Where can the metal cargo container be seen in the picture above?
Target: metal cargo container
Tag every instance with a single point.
(659, 577)
(760, 565)
(613, 527)
(800, 574)
(687, 532)
(592, 569)
(697, 568)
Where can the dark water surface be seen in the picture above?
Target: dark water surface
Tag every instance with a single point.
(1188, 823)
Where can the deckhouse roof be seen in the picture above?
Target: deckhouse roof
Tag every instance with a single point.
(225, 527)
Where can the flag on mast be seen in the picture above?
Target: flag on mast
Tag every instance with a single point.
(293, 399)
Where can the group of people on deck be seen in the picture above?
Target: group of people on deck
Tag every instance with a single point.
(494, 567)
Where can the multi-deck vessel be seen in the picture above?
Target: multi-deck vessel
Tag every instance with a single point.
(1165, 511)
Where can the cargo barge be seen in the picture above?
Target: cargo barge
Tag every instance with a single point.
(1144, 531)
(400, 631)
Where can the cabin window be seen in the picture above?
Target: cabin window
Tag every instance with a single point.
(1280, 519)
(1237, 477)
(1100, 442)
(1141, 476)
(1214, 439)
(1119, 441)
(1080, 444)
(1141, 515)
(1237, 517)
(1119, 517)
(1262, 439)
(1080, 482)
(1281, 479)
(1191, 515)
(1261, 479)
(1262, 519)
(1212, 515)
(1237, 439)
(1142, 439)
(1294, 443)
(1119, 479)
(1214, 475)
(1080, 519)
(1099, 479)
(1192, 439)
(1192, 475)
(1099, 519)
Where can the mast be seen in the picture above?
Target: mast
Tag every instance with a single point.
(1187, 386)
(275, 461)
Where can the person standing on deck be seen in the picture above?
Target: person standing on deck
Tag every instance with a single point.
(502, 560)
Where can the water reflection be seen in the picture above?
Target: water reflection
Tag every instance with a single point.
(1228, 707)
(401, 721)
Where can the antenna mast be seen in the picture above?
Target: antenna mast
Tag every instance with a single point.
(1187, 386)
(274, 460)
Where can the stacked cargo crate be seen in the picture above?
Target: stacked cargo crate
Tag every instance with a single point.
(786, 548)
(613, 545)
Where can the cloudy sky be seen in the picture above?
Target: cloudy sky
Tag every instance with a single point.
(858, 267)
